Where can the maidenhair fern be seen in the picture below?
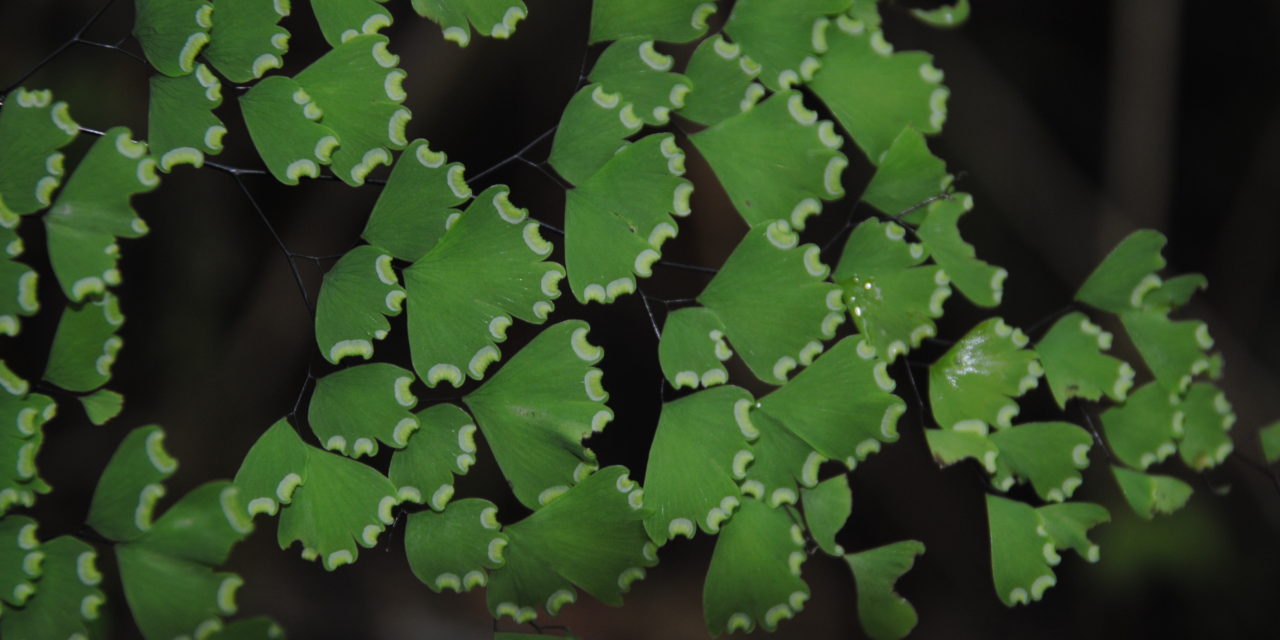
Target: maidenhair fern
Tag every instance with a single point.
(739, 459)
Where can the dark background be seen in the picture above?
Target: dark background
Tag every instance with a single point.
(1071, 123)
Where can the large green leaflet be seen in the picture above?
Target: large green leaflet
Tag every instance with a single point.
(1049, 454)
(32, 129)
(826, 508)
(342, 20)
(493, 18)
(1206, 418)
(1150, 494)
(617, 220)
(980, 282)
(172, 32)
(490, 266)
(93, 209)
(891, 296)
(1122, 280)
(804, 165)
(413, 211)
(536, 410)
(126, 495)
(723, 84)
(1173, 350)
(774, 301)
(698, 456)
(692, 348)
(633, 69)
(972, 386)
(670, 20)
(21, 559)
(1021, 551)
(784, 38)
(457, 548)
(246, 40)
(754, 576)
(442, 448)
(358, 293)
(355, 408)
(908, 175)
(590, 537)
(1142, 431)
(1074, 365)
(85, 345)
(884, 614)
(67, 597)
(181, 125)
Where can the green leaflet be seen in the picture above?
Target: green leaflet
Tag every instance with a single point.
(536, 410)
(784, 39)
(102, 405)
(692, 349)
(883, 613)
(804, 167)
(342, 20)
(17, 295)
(826, 508)
(1269, 437)
(246, 40)
(181, 125)
(131, 484)
(944, 17)
(617, 220)
(633, 69)
(93, 209)
(892, 298)
(875, 92)
(591, 537)
(281, 117)
(455, 549)
(591, 132)
(908, 175)
(272, 470)
(359, 406)
(1068, 523)
(1174, 292)
(1074, 365)
(356, 296)
(85, 345)
(22, 419)
(490, 265)
(1049, 454)
(1021, 555)
(1123, 279)
(1150, 494)
(168, 573)
(698, 455)
(980, 282)
(413, 211)
(842, 405)
(1206, 417)
(669, 20)
(972, 386)
(774, 301)
(723, 82)
(1174, 351)
(66, 598)
(754, 576)
(493, 18)
(21, 560)
(444, 447)
(1142, 431)
(172, 32)
(950, 446)
(32, 129)
(782, 462)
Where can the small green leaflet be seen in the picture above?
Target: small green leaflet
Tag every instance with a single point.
(698, 455)
(633, 69)
(591, 537)
(342, 20)
(93, 209)
(908, 175)
(980, 282)
(774, 301)
(875, 92)
(669, 20)
(17, 295)
(67, 596)
(129, 487)
(723, 82)
(21, 560)
(804, 167)
(1150, 494)
(102, 405)
(591, 132)
(883, 613)
(354, 408)
(892, 298)
(692, 349)
(32, 129)
(1123, 279)
(826, 508)
(457, 548)
(618, 219)
(1074, 365)
(784, 38)
(493, 18)
(1206, 417)
(1068, 523)
(172, 32)
(358, 292)
(490, 266)
(444, 447)
(181, 125)
(972, 386)
(1173, 350)
(246, 40)
(281, 118)
(1049, 454)
(1269, 436)
(413, 211)
(536, 410)
(1142, 431)
(1021, 555)
(754, 576)
(944, 17)
(85, 344)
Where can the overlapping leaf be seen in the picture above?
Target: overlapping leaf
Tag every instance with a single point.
(1151, 494)
(980, 282)
(785, 39)
(592, 130)
(972, 386)
(692, 349)
(444, 447)
(125, 498)
(1074, 365)
(455, 549)
(1173, 350)
(908, 175)
(85, 344)
(642, 76)
(181, 125)
(355, 408)
(246, 40)
(356, 296)
(67, 597)
(22, 420)
(883, 613)
(413, 211)
(172, 32)
(1142, 431)
(1068, 523)
(670, 20)
(1049, 454)
(282, 121)
(950, 446)
(1206, 417)
(493, 18)
(754, 576)
(1021, 552)
(723, 81)
(342, 20)
(32, 129)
